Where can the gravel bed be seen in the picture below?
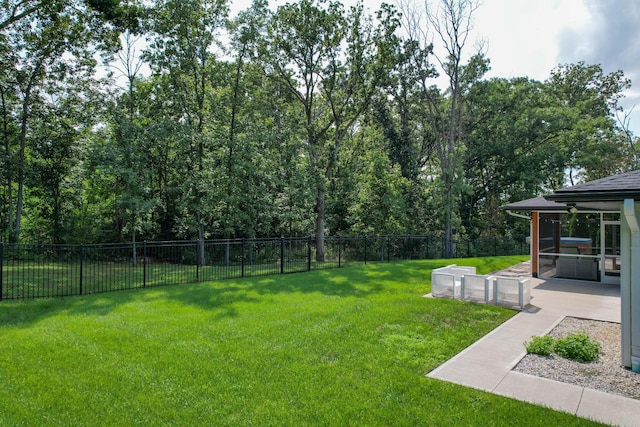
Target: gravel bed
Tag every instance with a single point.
(605, 374)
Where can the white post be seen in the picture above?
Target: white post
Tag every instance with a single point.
(630, 291)
(635, 296)
(531, 267)
(521, 294)
(625, 290)
(603, 249)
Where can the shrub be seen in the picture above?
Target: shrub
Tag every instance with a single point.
(577, 346)
(540, 345)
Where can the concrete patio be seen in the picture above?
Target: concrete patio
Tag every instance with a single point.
(487, 364)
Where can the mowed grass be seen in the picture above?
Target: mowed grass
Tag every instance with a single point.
(338, 347)
(41, 279)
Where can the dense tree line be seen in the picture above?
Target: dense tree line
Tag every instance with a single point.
(305, 119)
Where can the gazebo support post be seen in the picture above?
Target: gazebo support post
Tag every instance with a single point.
(630, 285)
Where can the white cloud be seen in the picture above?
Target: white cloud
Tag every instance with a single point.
(610, 38)
(522, 35)
(531, 37)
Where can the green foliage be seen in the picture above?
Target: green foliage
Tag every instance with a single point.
(577, 346)
(589, 98)
(308, 112)
(379, 200)
(326, 59)
(540, 345)
(524, 135)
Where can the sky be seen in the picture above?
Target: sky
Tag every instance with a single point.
(531, 37)
(528, 38)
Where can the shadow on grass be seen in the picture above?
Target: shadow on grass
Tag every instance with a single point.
(217, 295)
(221, 296)
(356, 282)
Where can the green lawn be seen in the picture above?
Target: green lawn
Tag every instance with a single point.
(336, 347)
(40, 279)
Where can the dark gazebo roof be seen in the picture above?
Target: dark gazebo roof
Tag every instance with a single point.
(535, 204)
(604, 194)
(612, 188)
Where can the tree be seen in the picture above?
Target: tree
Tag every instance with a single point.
(247, 150)
(9, 102)
(325, 58)
(125, 160)
(184, 37)
(15, 11)
(401, 109)
(623, 120)
(451, 21)
(378, 201)
(48, 46)
(510, 153)
(592, 143)
(52, 161)
(524, 136)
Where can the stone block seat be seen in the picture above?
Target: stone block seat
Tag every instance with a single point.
(446, 282)
(477, 288)
(511, 292)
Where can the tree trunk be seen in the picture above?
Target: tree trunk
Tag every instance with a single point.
(21, 175)
(7, 165)
(449, 174)
(26, 105)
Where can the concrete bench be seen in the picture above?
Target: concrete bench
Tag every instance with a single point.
(511, 292)
(446, 281)
(477, 288)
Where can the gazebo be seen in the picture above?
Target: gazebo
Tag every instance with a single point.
(590, 227)
(570, 241)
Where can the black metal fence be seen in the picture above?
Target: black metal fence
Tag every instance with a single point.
(42, 271)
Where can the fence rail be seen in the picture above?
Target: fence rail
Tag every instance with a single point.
(43, 271)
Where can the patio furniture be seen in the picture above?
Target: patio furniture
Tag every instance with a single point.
(446, 281)
(577, 268)
(511, 292)
(477, 288)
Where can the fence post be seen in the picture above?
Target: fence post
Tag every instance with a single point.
(242, 256)
(309, 254)
(81, 262)
(495, 246)
(388, 248)
(426, 242)
(282, 255)
(197, 263)
(144, 264)
(365, 249)
(407, 253)
(339, 251)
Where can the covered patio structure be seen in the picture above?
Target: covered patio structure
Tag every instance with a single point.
(571, 242)
(613, 203)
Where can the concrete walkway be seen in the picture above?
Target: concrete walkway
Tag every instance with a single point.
(487, 364)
